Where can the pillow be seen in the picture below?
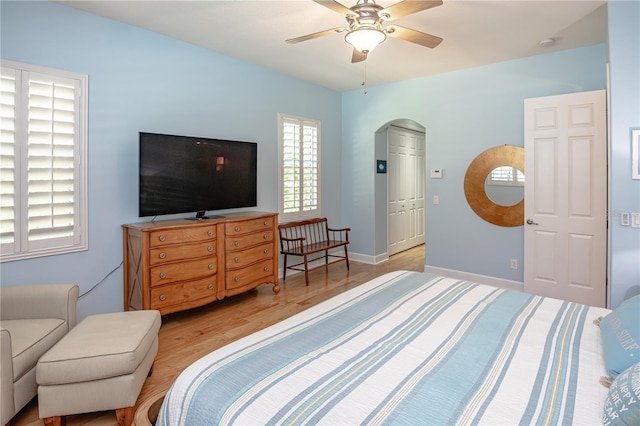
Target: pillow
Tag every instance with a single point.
(622, 406)
(620, 331)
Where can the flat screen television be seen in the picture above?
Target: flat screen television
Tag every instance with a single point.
(184, 174)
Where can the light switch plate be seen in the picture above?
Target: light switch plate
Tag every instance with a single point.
(635, 220)
(624, 219)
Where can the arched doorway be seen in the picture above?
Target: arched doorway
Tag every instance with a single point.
(400, 192)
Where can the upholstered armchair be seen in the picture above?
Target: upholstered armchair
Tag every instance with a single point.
(33, 318)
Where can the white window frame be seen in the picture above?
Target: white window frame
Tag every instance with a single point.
(22, 246)
(301, 213)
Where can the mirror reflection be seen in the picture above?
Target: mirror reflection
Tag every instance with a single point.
(504, 185)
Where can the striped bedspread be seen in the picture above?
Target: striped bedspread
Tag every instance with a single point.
(406, 348)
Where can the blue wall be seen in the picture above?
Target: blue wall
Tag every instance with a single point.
(142, 81)
(624, 193)
(464, 112)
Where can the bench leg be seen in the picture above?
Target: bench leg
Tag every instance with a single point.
(346, 257)
(306, 270)
(326, 257)
(124, 416)
(55, 421)
(284, 270)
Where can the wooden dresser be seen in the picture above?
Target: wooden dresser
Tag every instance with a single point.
(179, 264)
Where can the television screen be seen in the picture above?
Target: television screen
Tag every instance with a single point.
(183, 174)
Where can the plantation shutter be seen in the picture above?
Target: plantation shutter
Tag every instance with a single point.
(506, 175)
(42, 207)
(8, 179)
(50, 164)
(300, 148)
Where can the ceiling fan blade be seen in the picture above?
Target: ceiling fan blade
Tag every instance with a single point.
(413, 36)
(315, 35)
(358, 56)
(405, 8)
(335, 6)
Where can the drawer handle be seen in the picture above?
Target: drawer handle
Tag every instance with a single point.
(266, 251)
(236, 278)
(162, 255)
(210, 248)
(209, 232)
(163, 297)
(210, 286)
(162, 238)
(237, 244)
(163, 275)
(266, 269)
(211, 266)
(237, 228)
(266, 223)
(237, 259)
(266, 236)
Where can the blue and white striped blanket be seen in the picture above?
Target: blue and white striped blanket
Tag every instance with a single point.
(405, 348)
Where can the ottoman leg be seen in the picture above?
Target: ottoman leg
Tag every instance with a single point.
(55, 421)
(124, 416)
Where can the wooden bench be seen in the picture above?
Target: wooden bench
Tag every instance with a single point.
(308, 237)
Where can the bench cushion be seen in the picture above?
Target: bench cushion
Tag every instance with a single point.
(101, 346)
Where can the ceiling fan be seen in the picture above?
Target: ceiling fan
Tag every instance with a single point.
(366, 30)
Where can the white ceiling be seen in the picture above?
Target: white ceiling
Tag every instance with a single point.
(475, 32)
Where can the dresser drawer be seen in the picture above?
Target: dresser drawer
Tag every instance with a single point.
(246, 257)
(172, 272)
(247, 226)
(187, 234)
(243, 277)
(181, 252)
(175, 294)
(243, 241)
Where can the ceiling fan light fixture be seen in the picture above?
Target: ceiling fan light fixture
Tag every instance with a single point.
(365, 39)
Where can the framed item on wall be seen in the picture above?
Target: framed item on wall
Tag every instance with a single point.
(635, 153)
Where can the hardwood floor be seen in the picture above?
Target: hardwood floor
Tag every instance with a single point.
(186, 336)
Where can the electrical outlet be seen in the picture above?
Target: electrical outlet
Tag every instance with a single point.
(514, 263)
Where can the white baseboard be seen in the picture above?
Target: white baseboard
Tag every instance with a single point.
(368, 259)
(476, 278)
(375, 260)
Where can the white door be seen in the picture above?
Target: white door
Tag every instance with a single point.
(566, 197)
(406, 177)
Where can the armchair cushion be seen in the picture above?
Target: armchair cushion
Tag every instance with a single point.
(33, 318)
(30, 339)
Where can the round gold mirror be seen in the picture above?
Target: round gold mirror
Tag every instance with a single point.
(488, 164)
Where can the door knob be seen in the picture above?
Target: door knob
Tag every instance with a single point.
(530, 222)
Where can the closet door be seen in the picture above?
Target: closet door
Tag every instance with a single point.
(406, 177)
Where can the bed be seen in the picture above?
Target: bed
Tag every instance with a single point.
(406, 348)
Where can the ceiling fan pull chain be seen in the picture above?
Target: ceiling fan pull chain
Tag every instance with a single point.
(364, 76)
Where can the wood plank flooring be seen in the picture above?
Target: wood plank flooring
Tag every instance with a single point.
(186, 336)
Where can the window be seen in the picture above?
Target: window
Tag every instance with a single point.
(43, 140)
(299, 156)
(506, 175)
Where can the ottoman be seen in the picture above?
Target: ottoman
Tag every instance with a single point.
(101, 364)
